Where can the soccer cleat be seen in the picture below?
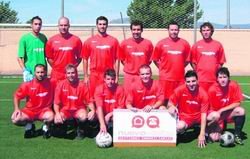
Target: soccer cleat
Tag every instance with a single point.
(30, 133)
(238, 140)
(46, 134)
(79, 134)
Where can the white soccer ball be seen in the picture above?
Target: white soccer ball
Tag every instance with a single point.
(227, 139)
(103, 140)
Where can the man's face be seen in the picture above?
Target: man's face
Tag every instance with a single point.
(40, 73)
(206, 32)
(36, 26)
(102, 26)
(110, 81)
(223, 80)
(63, 26)
(191, 83)
(173, 31)
(71, 75)
(136, 31)
(145, 75)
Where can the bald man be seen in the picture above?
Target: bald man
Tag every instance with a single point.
(63, 49)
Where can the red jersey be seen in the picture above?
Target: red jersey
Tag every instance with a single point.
(63, 51)
(208, 57)
(38, 94)
(134, 54)
(102, 52)
(190, 103)
(220, 97)
(140, 96)
(171, 56)
(109, 99)
(71, 96)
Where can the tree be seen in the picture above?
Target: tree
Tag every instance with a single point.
(7, 15)
(158, 13)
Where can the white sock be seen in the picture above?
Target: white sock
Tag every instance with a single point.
(45, 127)
(28, 126)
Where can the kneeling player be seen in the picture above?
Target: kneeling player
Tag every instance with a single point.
(39, 98)
(191, 103)
(225, 99)
(108, 96)
(71, 101)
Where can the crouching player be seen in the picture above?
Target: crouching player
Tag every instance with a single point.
(225, 98)
(145, 94)
(108, 96)
(39, 94)
(71, 101)
(190, 103)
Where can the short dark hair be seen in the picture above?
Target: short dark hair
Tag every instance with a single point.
(191, 73)
(172, 23)
(223, 70)
(136, 23)
(110, 72)
(35, 17)
(209, 25)
(101, 18)
(40, 65)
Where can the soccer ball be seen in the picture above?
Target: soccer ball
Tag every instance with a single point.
(226, 139)
(103, 140)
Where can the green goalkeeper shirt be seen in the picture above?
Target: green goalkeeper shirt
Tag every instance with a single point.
(31, 48)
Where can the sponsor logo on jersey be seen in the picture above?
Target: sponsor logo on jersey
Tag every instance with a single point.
(184, 95)
(65, 90)
(102, 47)
(165, 45)
(110, 101)
(137, 53)
(199, 47)
(174, 52)
(129, 46)
(43, 94)
(72, 97)
(66, 48)
(56, 42)
(208, 53)
(33, 88)
(38, 49)
(93, 41)
(139, 91)
(192, 102)
(149, 97)
(224, 100)
(218, 94)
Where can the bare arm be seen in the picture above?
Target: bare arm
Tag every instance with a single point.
(201, 137)
(229, 107)
(20, 61)
(51, 62)
(117, 69)
(91, 114)
(100, 115)
(85, 71)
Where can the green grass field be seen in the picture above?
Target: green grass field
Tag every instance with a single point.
(13, 145)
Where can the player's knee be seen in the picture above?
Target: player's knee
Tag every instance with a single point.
(214, 137)
(181, 126)
(213, 116)
(48, 117)
(162, 107)
(239, 111)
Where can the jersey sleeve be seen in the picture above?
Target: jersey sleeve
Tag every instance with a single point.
(78, 48)
(98, 96)
(49, 49)
(121, 52)
(221, 55)
(22, 91)
(187, 52)
(204, 102)
(57, 96)
(121, 98)
(237, 93)
(22, 47)
(85, 53)
(194, 54)
(156, 53)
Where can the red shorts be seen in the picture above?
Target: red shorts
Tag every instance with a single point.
(224, 118)
(190, 120)
(57, 76)
(36, 115)
(128, 80)
(169, 87)
(206, 85)
(69, 114)
(95, 79)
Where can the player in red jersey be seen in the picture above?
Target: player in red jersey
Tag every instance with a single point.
(71, 102)
(145, 94)
(225, 98)
(108, 96)
(102, 51)
(171, 56)
(39, 94)
(190, 103)
(63, 49)
(134, 52)
(207, 56)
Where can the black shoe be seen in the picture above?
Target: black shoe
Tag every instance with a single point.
(46, 134)
(79, 134)
(30, 133)
(238, 140)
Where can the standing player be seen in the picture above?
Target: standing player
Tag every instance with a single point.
(71, 102)
(135, 52)
(102, 50)
(63, 49)
(225, 98)
(145, 94)
(207, 56)
(171, 57)
(108, 96)
(31, 49)
(191, 103)
(39, 94)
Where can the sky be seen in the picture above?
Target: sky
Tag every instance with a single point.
(86, 11)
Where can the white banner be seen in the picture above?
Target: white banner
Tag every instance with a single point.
(155, 127)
